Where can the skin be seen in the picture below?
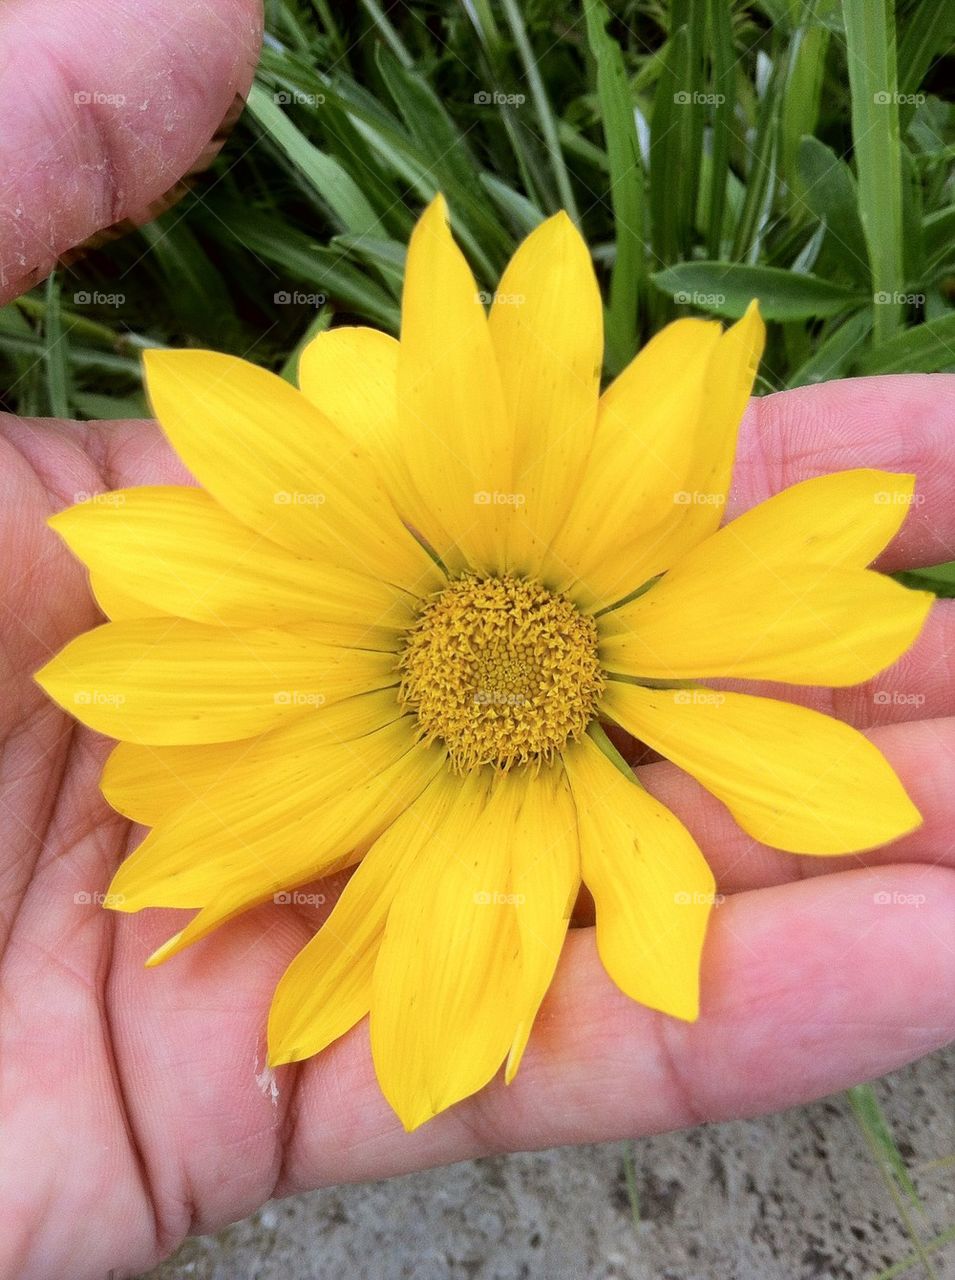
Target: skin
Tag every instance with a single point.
(133, 1106)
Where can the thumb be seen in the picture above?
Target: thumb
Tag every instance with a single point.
(107, 103)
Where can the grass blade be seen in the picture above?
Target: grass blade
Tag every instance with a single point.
(626, 186)
(870, 51)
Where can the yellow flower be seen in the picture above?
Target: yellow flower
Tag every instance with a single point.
(386, 628)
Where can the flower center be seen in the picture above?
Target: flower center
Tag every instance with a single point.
(502, 670)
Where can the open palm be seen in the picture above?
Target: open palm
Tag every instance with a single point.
(134, 1104)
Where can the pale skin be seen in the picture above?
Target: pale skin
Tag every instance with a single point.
(132, 1102)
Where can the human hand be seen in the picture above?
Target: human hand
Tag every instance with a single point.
(131, 1100)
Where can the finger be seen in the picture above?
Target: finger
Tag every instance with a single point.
(121, 100)
(807, 988)
(919, 686)
(923, 755)
(901, 423)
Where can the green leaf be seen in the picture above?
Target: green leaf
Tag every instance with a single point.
(727, 288)
(56, 352)
(870, 51)
(324, 176)
(830, 193)
(626, 186)
(833, 356)
(925, 348)
(940, 578)
(874, 1125)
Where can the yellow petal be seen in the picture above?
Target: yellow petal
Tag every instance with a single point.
(546, 325)
(797, 624)
(148, 783)
(351, 375)
(165, 680)
(685, 488)
(181, 553)
(454, 426)
(279, 465)
(651, 885)
(779, 593)
(327, 987)
(793, 778)
(545, 878)
(345, 798)
(448, 971)
(116, 603)
(646, 427)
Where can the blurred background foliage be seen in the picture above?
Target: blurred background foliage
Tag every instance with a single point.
(798, 151)
(795, 150)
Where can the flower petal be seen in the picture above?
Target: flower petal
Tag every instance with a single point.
(327, 987)
(260, 841)
(646, 426)
(117, 604)
(351, 375)
(455, 430)
(148, 783)
(776, 593)
(545, 878)
(792, 777)
(165, 680)
(448, 971)
(546, 325)
(682, 468)
(801, 625)
(176, 549)
(279, 465)
(651, 885)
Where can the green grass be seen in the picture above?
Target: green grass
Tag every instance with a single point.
(797, 150)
